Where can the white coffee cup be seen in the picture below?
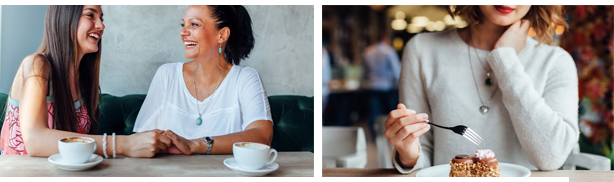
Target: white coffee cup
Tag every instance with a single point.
(253, 156)
(76, 150)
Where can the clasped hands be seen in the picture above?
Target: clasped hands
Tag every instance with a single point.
(148, 143)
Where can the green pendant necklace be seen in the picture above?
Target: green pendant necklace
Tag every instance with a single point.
(484, 108)
(199, 121)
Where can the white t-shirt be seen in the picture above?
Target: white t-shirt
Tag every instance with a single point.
(239, 101)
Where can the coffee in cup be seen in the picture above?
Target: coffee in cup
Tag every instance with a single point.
(253, 156)
(75, 139)
(76, 150)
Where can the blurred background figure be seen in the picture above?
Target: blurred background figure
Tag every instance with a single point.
(382, 68)
(348, 33)
(326, 76)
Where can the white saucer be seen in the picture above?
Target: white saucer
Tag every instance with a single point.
(232, 164)
(58, 161)
(507, 170)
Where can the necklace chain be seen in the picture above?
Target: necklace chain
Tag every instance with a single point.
(477, 55)
(196, 89)
(473, 74)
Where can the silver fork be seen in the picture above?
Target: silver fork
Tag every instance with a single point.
(464, 131)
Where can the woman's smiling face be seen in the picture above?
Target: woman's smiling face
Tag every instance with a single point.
(90, 29)
(199, 32)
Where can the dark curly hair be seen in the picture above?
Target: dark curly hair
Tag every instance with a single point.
(241, 40)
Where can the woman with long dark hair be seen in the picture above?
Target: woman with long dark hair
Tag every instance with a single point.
(519, 94)
(209, 103)
(55, 91)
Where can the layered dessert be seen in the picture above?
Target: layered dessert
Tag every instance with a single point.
(481, 164)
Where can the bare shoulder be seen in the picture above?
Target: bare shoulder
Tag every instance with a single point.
(35, 65)
(32, 66)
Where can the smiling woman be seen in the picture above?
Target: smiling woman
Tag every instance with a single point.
(55, 91)
(209, 103)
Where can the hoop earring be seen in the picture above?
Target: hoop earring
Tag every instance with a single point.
(220, 50)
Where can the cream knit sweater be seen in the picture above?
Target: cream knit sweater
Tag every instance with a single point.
(533, 117)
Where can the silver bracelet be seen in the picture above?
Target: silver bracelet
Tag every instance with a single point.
(104, 145)
(114, 146)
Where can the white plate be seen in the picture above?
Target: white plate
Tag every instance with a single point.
(58, 161)
(507, 170)
(232, 164)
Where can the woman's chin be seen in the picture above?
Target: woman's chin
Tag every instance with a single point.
(92, 50)
(504, 22)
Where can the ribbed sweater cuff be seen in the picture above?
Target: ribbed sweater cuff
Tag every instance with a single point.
(419, 163)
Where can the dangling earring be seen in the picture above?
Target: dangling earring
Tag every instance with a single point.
(220, 50)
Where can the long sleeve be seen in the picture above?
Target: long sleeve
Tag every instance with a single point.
(546, 125)
(147, 119)
(412, 93)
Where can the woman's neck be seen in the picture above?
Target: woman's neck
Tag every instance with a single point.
(485, 36)
(212, 68)
(81, 54)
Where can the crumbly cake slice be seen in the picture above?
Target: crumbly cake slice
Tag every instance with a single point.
(481, 164)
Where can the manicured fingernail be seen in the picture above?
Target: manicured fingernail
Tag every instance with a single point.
(427, 121)
(413, 112)
(424, 116)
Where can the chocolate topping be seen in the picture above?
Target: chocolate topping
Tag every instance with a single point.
(471, 159)
(465, 160)
(461, 156)
(489, 162)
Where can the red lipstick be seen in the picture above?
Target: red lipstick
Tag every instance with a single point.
(504, 9)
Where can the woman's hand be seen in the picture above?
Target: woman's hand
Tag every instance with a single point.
(515, 36)
(180, 144)
(144, 144)
(403, 127)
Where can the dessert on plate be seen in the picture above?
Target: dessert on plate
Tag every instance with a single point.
(481, 164)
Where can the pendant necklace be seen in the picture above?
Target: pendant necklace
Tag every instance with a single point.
(488, 81)
(483, 109)
(199, 121)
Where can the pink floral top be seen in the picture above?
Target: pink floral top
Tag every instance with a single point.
(11, 141)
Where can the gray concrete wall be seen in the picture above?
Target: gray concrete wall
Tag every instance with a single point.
(138, 39)
(21, 33)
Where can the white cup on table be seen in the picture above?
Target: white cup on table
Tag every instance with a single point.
(76, 150)
(253, 156)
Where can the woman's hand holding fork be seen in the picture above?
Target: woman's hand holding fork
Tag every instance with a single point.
(403, 128)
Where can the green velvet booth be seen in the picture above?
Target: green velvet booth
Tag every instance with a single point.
(293, 118)
(3, 100)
